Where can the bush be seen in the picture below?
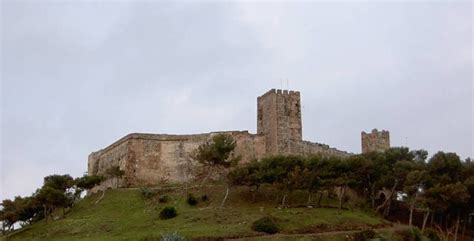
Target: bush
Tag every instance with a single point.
(88, 182)
(432, 235)
(172, 237)
(204, 198)
(364, 235)
(192, 200)
(147, 193)
(410, 234)
(266, 225)
(168, 212)
(164, 199)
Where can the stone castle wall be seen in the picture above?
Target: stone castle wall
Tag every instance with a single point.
(311, 148)
(149, 159)
(376, 141)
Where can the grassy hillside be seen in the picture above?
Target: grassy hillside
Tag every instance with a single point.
(125, 215)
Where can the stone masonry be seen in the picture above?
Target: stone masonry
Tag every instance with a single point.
(377, 141)
(155, 158)
(149, 159)
(279, 120)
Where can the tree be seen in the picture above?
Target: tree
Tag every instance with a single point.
(449, 199)
(27, 208)
(416, 179)
(283, 173)
(342, 178)
(59, 182)
(54, 193)
(414, 185)
(398, 163)
(9, 214)
(469, 183)
(115, 173)
(311, 177)
(251, 175)
(217, 154)
(87, 182)
(294, 180)
(419, 156)
(322, 168)
(444, 168)
(52, 198)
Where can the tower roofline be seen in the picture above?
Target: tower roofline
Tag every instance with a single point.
(280, 92)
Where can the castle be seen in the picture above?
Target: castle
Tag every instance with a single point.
(148, 159)
(375, 141)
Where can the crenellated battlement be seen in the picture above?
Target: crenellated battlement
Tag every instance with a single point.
(281, 92)
(375, 141)
(311, 148)
(376, 132)
(279, 120)
(154, 158)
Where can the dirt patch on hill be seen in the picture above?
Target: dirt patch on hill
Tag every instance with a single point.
(322, 228)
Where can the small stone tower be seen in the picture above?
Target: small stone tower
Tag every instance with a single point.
(279, 120)
(377, 141)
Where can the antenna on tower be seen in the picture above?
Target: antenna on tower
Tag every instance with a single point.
(287, 84)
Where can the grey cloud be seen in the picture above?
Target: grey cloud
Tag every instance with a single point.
(77, 76)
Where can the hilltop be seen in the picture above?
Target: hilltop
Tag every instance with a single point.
(125, 214)
(297, 197)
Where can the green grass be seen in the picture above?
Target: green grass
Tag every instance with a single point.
(335, 237)
(124, 215)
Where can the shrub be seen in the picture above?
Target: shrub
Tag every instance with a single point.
(192, 200)
(417, 233)
(364, 235)
(147, 193)
(163, 199)
(432, 235)
(88, 182)
(168, 212)
(204, 198)
(172, 237)
(410, 234)
(266, 225)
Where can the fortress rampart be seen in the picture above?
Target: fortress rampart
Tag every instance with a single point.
(154, 158)
(149, 159)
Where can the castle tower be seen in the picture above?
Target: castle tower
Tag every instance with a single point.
(279, 120)
(377, 141)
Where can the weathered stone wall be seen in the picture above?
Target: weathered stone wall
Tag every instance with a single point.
(279, 120)
(267, 120)
(310, 148)
(376, 141)
(149, 159)
(114, 155)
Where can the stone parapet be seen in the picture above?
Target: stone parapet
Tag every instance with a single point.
(150, 159)
(311, 148)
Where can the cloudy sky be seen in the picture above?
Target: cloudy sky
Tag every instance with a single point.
(77, 76)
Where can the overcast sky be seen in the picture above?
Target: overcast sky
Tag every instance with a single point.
(75, 77)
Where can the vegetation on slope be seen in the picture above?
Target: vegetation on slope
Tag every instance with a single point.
(124, 214)
(441, 187)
